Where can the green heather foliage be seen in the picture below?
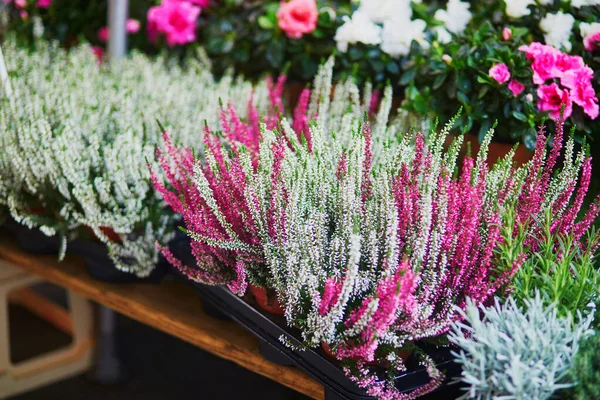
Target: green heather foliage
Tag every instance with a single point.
(565, 275)
(586, 370)
(512, 352)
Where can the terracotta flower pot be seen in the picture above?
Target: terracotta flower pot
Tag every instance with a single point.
(109, 232)
(267, 301)
(496, 150)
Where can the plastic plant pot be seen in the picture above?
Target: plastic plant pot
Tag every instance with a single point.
(267, 300)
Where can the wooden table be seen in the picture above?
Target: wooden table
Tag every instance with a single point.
(172, 307)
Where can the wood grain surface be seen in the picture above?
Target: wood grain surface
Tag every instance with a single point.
(172, 307)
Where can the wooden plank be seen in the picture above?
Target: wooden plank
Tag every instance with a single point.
(172, 307)
(43, 308)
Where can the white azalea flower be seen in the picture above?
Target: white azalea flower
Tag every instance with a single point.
(443, 36)
(588, 29)
(359, 28)
(456, 16)
(398, 34)
(518, 8)
(379, 11)
(582, 3)
(557, 28)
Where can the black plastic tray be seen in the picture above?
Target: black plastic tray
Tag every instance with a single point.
(95, 254)
(270, 328)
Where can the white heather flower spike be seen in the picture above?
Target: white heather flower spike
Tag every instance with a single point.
(77, 139)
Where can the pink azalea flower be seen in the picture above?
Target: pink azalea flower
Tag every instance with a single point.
(551, 98)
(592, 41)
(564, 63)
(298, 17)
(43, 3)
(582, 92)
(516, 87)
(500, 73)
(176, 20)
(103, 34)
(200, 3)
(132, 26)
(506, 33)
(21, 4)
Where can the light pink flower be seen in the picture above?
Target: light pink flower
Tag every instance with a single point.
(43, 3)
(103, 34)
(551, 98)
(298, 17)
(592, 41)
(516, 87)
(21, 4)
(176, 20)
(506, 33)
(132, 26)
(582, 92)
(500, 73)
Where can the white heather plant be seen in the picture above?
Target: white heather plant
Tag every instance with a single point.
(77, 137)
(511, 352)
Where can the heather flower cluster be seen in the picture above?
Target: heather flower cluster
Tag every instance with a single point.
(77, 138)
(372, 238)
(571, 81)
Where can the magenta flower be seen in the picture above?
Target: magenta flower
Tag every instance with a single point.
(592, 41)
(516, 87)
(552, 98)
(582, 92)
(500, 73)
(297, 17)
(506, 33)
(132, 26)
(176, 20)
(43, 3)
(103, 34)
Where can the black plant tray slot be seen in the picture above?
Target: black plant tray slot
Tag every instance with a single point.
(95, 254)
(269, 328)
(101, 267)
(33, 240)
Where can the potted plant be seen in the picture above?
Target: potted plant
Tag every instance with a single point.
(77, 138)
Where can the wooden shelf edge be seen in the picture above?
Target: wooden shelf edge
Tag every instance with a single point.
(164, 307)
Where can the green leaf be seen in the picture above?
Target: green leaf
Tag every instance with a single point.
(265, 22)
(462, 98)
(439, 80)
(275, 54)
(408, 76)
(519, 115)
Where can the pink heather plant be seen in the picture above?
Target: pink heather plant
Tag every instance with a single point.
(297, 17)
(175, 19)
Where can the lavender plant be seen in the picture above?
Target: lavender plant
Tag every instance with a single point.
(76, 139)
(517, 352)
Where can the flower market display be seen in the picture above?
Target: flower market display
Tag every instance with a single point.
(400, 239)
(77, 138)
(499, 60)
(355, 214)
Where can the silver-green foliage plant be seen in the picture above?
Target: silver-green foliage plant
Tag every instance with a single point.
(76, 139)
(512, 352)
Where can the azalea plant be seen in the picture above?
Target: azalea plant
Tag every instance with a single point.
(77, 137)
